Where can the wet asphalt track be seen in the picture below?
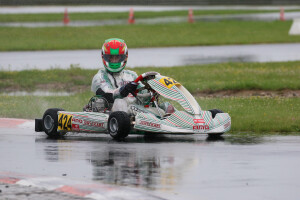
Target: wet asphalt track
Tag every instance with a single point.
(158, 20)
(173, 167)
(157, 57)
(125, 8)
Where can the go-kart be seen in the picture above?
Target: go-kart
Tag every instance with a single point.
(140, 117)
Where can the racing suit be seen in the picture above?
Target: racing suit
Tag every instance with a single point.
(109, 84)
(105, 83)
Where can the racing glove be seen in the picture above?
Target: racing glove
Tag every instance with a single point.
(108, 96)
(128, 88)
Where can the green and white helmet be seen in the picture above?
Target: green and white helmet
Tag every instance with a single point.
(114, 54)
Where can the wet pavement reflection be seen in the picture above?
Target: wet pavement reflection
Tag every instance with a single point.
(150, 162)
(170, 166)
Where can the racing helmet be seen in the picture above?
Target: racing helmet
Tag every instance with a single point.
(114, 54)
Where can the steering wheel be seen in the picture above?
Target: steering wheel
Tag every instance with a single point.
(145, 75)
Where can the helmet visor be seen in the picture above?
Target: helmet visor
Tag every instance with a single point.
(114, 58)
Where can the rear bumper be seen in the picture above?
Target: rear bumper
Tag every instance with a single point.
(39, 125)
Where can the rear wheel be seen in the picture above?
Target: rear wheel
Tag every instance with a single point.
(119, 125)
(50, 122)
(214, 112)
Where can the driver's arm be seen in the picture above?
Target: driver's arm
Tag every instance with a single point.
(102, 86)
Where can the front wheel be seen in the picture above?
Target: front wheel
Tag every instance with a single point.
(50, 122)
(215, 135)
(119, 125)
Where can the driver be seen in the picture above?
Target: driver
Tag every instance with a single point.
(113, 82)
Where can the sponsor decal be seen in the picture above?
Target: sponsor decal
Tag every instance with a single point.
(150, 124)
(77, 120)
(227, 124)
(124, 83)
(201, 127)
(75, 127)
(95, 124)
(199, 121)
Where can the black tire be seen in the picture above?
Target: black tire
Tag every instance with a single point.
(50, 122)
(118, 125)
(215, 135)
(214, 112)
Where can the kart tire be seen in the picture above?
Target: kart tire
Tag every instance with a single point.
(214, 112)
(118, 125)
(50, 122)
(214, 135)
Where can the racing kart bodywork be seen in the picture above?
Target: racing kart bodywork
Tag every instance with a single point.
(141, 117)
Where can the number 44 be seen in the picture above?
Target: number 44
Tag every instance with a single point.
(169, 82)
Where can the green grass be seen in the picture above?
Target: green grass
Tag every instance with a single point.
(160, 35)
(258, 114)
(248, 114)
(121, 15)
(211, 77)
(30, 107)
(59, 79)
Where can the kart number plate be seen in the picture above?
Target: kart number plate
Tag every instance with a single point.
(64, 122)
(168, 82)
